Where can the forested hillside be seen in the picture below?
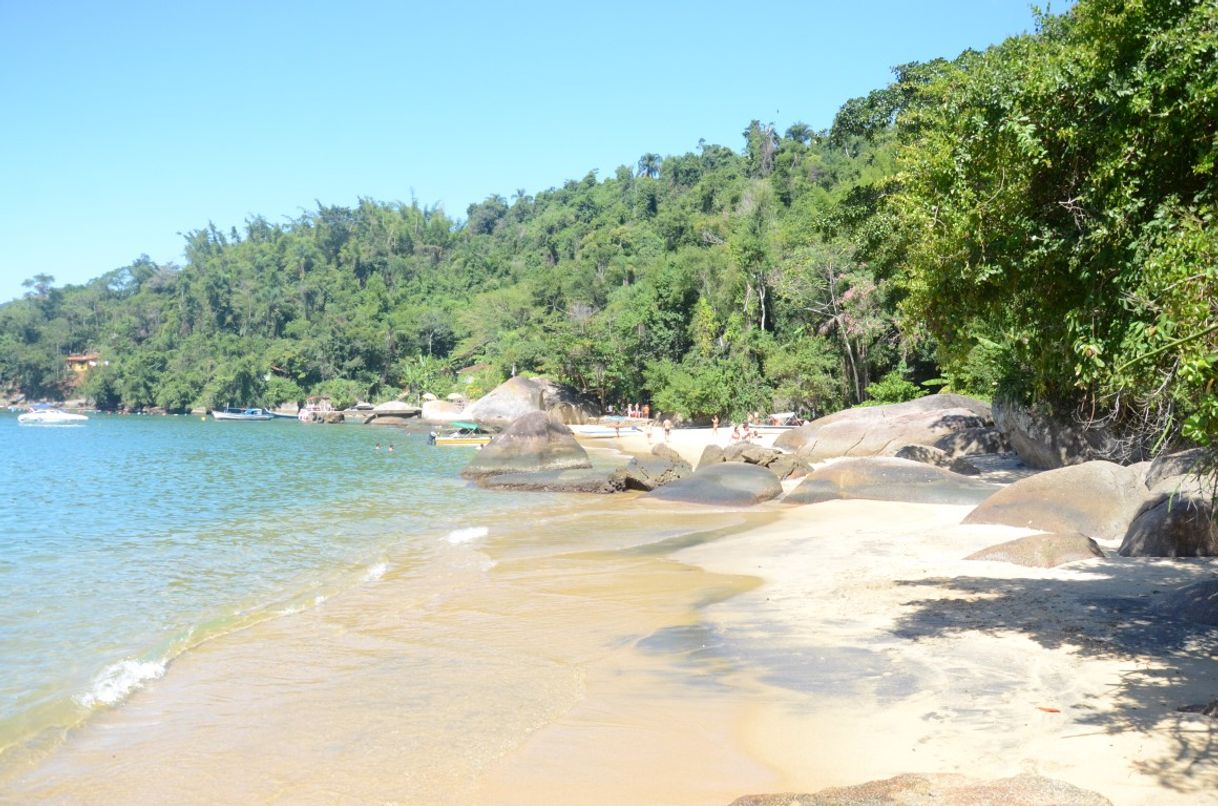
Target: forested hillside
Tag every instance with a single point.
(1034, 220)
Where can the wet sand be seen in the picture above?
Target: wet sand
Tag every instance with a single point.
(623, 651)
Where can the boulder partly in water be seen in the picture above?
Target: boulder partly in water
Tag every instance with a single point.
(646, 473)
(532, 443)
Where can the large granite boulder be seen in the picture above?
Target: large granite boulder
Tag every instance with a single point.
(532, 443)
(442, 411)
(555, 481)
(734, 484)
(649, 472)
(1196, 602)
(1097, 499)
(882, 478)
(883, 430)
(939, 789)
(518, 396)
(1046, 442)
(1171, 524)
(1170, 465)
(1041, 551)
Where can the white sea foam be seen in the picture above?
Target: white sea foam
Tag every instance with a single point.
(375, 572)
(467, 534)
(118, 680)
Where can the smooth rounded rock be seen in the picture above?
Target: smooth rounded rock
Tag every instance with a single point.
(1097, 499)
(888, 479)
(882, 430)
(532, 443)
(1196, 602)
(734, 484)
(1041, 551)
(1172, 525)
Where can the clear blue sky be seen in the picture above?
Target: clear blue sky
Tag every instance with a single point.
(126, 123)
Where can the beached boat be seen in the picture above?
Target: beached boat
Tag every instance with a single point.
(242, 414)
(466, 434)
(48, 415)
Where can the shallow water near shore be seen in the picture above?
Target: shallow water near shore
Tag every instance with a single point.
(197, 595)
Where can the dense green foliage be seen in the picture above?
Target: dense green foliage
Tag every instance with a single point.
(1057, 210)
(704, 282)
(1034, 220)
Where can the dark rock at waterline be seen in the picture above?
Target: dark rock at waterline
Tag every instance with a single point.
(1041, 551)
(733, 484)
(882, 430)
(1196, 602)
(555, 481)
(882, 478)
(646, 473)
(1172, 525)
(532, 443)
(943, 789)
(972, 441)
(1047, 442)
(1097, 499)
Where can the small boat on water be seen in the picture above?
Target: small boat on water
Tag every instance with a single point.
(49, 415)
(240, 413)
(466, 434)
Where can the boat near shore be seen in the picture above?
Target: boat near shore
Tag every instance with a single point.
(237, 413)
(466, 434)
(49, 415)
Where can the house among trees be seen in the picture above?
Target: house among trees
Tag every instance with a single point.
(81, 363)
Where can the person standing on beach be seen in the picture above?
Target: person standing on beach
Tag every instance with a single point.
(667, 428)
(715, 424)
(646, 411)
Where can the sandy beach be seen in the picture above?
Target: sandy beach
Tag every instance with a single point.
(778, 649)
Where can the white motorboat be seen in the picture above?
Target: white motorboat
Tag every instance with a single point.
(48, 415)
(238, 413)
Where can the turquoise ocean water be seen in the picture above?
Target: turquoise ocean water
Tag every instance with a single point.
(126, 541)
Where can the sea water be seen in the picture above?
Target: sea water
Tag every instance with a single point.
(211, 612)
(129, 540)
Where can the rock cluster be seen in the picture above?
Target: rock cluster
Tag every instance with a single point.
(646, 473)
(1154, 509)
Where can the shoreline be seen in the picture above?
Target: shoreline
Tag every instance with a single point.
(785, 648)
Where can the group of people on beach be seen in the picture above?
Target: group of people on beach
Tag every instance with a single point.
(636, 411)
